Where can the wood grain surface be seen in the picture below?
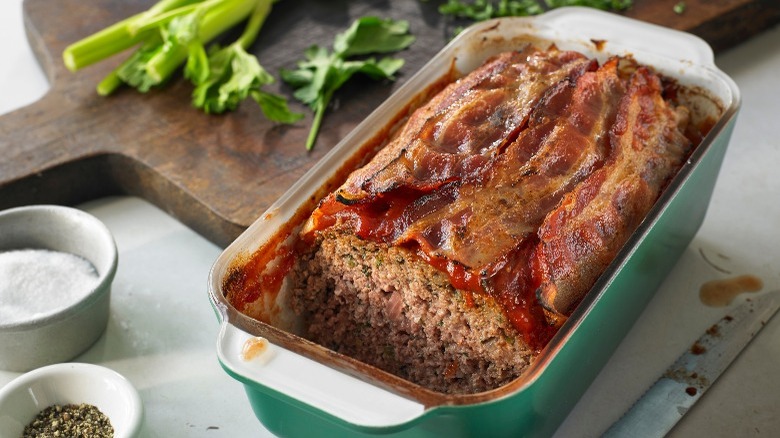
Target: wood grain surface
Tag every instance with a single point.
(217, 174)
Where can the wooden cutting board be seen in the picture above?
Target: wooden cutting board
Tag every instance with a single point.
(218, 173)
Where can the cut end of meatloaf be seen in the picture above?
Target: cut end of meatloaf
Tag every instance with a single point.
(384, 306)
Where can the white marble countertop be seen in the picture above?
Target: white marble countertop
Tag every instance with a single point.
(162, 330)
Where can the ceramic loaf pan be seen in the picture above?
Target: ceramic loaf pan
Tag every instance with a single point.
(300, 388)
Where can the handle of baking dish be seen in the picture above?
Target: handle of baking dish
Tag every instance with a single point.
(618, 31)
(322, 388)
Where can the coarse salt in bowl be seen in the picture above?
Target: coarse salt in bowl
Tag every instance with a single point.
(40, 282)
(56, 268)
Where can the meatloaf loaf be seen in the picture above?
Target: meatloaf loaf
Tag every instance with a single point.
(453, 256)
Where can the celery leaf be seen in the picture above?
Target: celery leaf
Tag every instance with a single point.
(229, 75)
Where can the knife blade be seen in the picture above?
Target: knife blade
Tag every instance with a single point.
(689, 377)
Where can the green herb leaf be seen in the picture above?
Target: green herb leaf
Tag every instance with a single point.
(153, 63)
(616, 5)
(116, 38)
(275, 107)
(321, 73)
(228, 76)
(480, 10)
(311, 75)
(197, 69)
(174, 31)
(385, 68)
(373, 35)
(133, 70)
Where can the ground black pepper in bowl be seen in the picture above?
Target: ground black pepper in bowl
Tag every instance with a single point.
(77, 421)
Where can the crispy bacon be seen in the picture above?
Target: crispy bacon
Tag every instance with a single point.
(583, 235)
(521, 180)
(560, 147)
(465, 126)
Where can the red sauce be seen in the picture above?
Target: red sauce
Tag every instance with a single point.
(253, 276)
(509, 280)
(460, 276)
(246, 285)
(385, 214)
(514, 286)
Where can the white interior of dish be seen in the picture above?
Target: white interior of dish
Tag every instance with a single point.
(675, 54)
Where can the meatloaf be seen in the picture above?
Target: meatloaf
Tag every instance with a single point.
(454, 255)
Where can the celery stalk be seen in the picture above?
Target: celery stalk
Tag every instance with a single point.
(109, 84)
(256, 21)
(113, 39)
(215, 21)
(153, 21)
(175, 31)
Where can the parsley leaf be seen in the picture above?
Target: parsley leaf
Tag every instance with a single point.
(322, 72)
(616, 5)
(480, 10)
(373, 35)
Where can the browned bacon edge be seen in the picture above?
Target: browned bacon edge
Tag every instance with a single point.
(584, 233)
(521, 180)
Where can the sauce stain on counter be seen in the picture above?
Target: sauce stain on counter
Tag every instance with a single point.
(720, 293)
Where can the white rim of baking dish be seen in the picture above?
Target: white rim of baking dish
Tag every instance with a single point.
(673, 53)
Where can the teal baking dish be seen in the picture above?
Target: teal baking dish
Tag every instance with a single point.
(299, 388)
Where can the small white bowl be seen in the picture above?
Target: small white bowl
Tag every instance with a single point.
(71, 383)
(64, 334)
